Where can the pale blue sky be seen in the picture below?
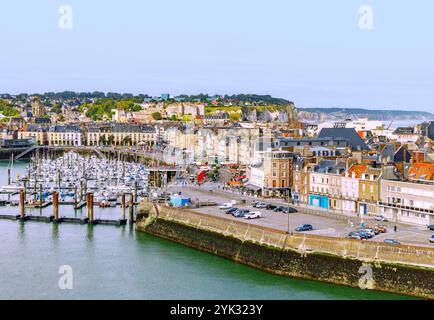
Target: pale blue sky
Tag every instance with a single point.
(311, 52)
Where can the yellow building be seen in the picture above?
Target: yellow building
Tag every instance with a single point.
(36, 132)
(122, 134)
(369, 186)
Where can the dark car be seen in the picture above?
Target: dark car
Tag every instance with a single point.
(431, 227)
(270, 207)
(279, 209)
(240, 213)
(391, 241)
(363, 235)
(231, 210)
(289, 210)
(304, 227)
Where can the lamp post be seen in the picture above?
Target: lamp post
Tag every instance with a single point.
(289, 230)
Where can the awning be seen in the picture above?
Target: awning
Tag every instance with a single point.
(253, 187)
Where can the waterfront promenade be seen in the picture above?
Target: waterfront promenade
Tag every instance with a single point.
(325, 222)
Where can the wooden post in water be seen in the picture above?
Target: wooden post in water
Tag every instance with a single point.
(75, 197)
(56, 205)
(25, 188)
(40, 194)
(131, 209)
(22, 206)
(90, 207)
(123, 205)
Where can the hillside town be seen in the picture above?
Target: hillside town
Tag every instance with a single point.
(251, 145)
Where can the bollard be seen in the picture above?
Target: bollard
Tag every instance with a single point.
(75, 197)
(131, 209)
(123, 206)
(41, 201)
(90, 207)
(22, 206)
(56, 205)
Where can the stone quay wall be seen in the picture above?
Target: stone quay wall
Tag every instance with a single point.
(398, 269)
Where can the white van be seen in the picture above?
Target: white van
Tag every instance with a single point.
(225, 206)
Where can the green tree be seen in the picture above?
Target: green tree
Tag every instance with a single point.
(56, 108)
(111, 140)
(157, 116)
(127, 141)
(102, 140)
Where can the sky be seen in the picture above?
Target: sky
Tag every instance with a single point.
(315, 53)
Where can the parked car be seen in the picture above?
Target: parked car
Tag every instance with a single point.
(379, 217)
(304, 227)
(290, 210)
(364, 235)
(270, 207)
(431, 227)
(253, 215)
(240, 213)
(354, 235)
(225, 206)
(391, 241)
(260, 205)
(431, 239)
(279, 209)
(373, 231)
(231, 210)
(380, 229)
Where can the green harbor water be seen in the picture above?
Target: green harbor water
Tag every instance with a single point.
(109, 262)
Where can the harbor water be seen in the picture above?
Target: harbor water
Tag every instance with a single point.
(109, 262)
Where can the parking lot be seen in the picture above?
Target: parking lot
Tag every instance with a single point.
(323, 225)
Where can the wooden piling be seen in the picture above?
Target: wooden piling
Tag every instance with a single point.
(123, 206)
(131, 209)
(22, 205)
(90, 207)
(75, 197)
(56, 205)
(41, 201)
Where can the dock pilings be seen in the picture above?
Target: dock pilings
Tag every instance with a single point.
(56, 206)
(90, 207)
(131, 208)
(22, 206)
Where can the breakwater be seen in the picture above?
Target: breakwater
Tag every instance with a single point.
(377, 266)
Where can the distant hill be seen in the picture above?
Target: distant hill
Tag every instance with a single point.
(324, 114)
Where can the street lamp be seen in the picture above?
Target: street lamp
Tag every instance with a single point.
(289, 230)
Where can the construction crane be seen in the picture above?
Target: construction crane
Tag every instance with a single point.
(391, 122)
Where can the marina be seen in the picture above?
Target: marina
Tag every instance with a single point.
(91, 185)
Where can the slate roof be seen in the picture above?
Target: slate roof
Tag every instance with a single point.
(330, 166)
(354, 140)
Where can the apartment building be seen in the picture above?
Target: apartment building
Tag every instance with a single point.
(121, 134)
(278, 168)
(350, 187)
(38, 133)
(369, 184)
(325, 184)
(301, 180)
(410, 200)
(66, 135)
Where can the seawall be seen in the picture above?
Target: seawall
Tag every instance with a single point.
(397, 269)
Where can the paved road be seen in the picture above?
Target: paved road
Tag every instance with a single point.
(325, 224)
